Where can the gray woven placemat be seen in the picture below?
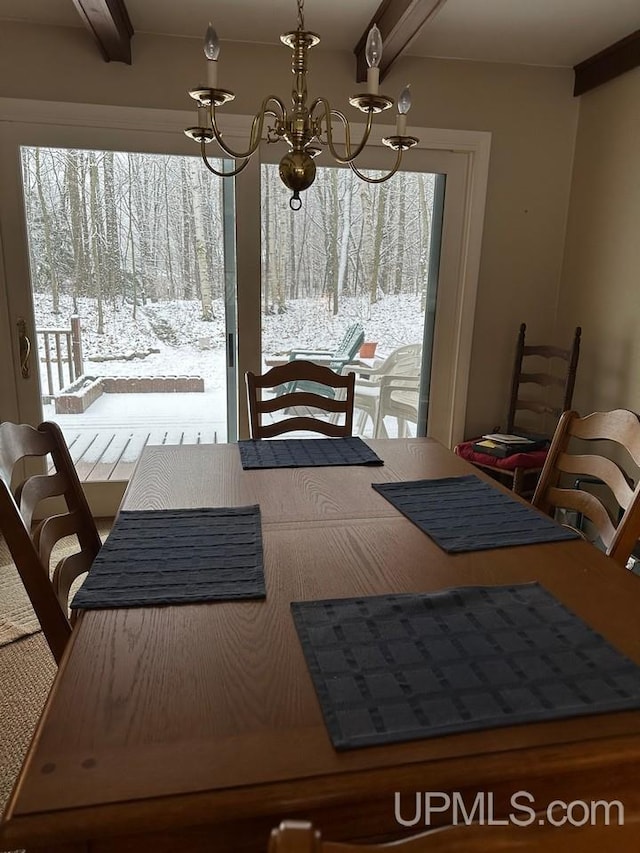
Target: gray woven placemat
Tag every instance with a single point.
(405, 667)
(306, 452)
(181, 556)
(467, 514)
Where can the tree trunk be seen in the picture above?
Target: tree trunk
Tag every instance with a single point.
(46, 230)
(345, 235)
(75, 215)
(96, 234)
(113, 271)
(200, 251)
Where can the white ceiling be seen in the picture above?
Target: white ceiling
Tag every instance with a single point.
(533, 32)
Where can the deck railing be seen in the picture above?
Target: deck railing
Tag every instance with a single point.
(62, 349)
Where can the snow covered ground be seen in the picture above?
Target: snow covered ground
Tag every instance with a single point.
(169, 337)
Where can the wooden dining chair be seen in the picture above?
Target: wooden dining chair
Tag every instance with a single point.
(540, 834)
(542, 383)
(615, 517)
(329, 393)
(31, 541)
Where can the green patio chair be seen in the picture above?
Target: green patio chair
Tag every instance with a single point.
(336, 360)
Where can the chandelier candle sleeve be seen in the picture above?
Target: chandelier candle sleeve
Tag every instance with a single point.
(203, 116)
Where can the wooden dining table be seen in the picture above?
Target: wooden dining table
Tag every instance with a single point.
(197, 727)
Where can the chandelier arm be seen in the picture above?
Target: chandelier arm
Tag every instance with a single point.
(235, 171)
(328, 115)
(396, 166)
(257, 126)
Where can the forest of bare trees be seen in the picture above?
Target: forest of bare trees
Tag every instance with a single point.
(123, 228)
(350, 238)
(127, 228)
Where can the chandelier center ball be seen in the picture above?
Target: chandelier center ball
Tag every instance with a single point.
(297, 170)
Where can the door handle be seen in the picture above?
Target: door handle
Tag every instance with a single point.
(231, 352)
(25, 349)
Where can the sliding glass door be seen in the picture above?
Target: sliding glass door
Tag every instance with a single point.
(128, 277)
(120, 290)
(359, 258)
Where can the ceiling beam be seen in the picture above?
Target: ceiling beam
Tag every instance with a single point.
(398, 21)
(607, 64)
(109, 22)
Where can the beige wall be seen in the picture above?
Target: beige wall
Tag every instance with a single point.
(529, 111)
(601, 274)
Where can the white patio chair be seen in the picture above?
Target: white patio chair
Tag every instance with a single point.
(390, 389)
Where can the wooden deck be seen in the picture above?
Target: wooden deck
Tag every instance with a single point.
(111, 454)
(107, 439)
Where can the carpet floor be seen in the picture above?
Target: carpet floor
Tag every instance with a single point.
(27, 667)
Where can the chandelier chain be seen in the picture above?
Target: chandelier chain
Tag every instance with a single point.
(301, 14)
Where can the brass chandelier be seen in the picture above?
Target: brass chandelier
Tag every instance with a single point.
(306, 129)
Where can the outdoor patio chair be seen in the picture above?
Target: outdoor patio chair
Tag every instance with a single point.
(333, 397)
(618, 530)
(337, 359)
(30, 543)
(390, 389)
(541, 389)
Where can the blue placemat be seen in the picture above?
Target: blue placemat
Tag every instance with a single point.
(306, 452)
(405, 667)
(468, 514)
(181, 556)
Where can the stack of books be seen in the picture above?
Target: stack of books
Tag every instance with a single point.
(499, 445)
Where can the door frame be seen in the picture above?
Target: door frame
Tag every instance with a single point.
(51, 124)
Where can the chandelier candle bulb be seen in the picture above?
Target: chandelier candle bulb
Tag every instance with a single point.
(404, 105)
(212, 52)
(373, 55)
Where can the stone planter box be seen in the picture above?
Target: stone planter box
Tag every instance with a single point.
(77, 397)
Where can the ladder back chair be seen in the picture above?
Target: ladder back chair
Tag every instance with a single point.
(31, 542)
(296, 836)
(616, 518)
(332, 394)
(542, 384)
